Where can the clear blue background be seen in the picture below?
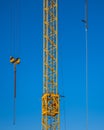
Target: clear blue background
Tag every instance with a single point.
(27, 33)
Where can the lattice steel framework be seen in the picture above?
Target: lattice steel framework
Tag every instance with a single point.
(50, 98)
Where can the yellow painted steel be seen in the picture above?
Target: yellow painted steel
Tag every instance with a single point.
(14, 61)
(18, 61)
(50, 98)
(50, 105)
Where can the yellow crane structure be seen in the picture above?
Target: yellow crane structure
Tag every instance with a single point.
(50, 97)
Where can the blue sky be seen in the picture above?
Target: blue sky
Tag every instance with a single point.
(71, 62)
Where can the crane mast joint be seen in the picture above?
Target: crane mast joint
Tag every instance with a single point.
(50, 105)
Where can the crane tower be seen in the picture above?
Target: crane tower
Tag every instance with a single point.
(50, 97)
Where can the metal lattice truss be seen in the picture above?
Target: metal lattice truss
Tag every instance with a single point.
(50, 47)
(50, 98)
(50, 112)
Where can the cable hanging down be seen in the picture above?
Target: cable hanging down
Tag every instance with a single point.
(62, 84)
(86, 14)
(14, 46)
(86, 40)
(14, 62)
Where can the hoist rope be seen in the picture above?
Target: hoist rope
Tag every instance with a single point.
(15, 28)
(86, 44)
(64, 103)
(86, 38)
(12, 32)
(63, 92)
(14, 111)
(14, 43)
(14, 119)
(86, 80)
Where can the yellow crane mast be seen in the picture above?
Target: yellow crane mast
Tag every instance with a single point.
(50, 98)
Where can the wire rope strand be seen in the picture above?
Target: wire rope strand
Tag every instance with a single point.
(64, 103)
(64, 114)
(17, 27)
(86, 38)
(86, 79)
(11, 29)
(14, 112)
(63, 92)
